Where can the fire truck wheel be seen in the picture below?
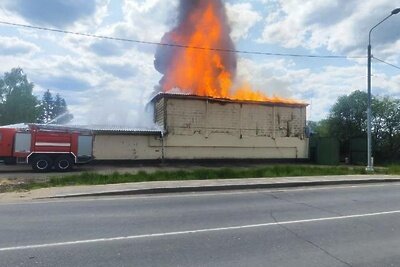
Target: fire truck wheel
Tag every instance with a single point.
(63, 163)
(42, 163)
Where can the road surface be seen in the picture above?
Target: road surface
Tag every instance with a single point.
(326, 226)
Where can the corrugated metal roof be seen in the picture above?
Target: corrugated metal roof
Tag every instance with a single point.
(226, 100)
(111, 129)
(16, 126)
(45, 127)
(115, 129)
(59, 127)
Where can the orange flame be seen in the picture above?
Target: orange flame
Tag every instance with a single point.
(204, 72)
(246, 93)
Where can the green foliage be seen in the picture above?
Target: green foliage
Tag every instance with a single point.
(17, 102)
(272, 171)
(386, 128)
(322, 127)
(47, 107)
(348, 116)
(203, 174)
(394, 169)
(54, 110)
(348, 119)
(19, 105)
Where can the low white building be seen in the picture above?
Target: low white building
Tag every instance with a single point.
(206, 128)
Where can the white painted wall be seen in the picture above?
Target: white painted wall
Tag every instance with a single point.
(126, 147)
(209, 129)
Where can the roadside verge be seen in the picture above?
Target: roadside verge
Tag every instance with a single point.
(163, 187)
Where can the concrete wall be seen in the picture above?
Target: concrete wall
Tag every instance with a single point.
(209, 129)
(126, 147)
(200, 128)
(222, 146)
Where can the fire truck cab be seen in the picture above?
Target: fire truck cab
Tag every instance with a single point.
(45, 147)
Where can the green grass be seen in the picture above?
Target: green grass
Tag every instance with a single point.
(393, 169)
(203, 174)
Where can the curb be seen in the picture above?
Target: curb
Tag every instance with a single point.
(213, 188)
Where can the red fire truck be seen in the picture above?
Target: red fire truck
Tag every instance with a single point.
(46, 147)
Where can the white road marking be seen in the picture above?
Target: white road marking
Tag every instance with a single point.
(70, 243)
(193, 194)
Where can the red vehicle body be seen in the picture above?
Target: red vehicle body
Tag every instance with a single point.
(46, 147)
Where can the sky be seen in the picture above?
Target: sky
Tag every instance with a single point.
(109, 82)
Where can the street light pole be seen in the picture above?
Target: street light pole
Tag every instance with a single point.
(370, 167)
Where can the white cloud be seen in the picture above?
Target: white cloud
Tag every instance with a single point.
(147, 19)
(57, 13)
(340, 26)
(89, 24)
(17, 47)
(320, 88)
(117, 79)
(242, 17)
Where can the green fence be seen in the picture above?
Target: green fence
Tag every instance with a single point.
(324, 150)
(358, 151)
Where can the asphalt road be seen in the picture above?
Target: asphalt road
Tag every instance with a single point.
(331, 226)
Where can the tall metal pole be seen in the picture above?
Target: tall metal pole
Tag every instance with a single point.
(370, 167)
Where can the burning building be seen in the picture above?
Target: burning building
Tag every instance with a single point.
(196, 127)
(202, 128)
(203, 111)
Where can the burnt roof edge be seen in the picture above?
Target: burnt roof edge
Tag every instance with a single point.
(225, 100)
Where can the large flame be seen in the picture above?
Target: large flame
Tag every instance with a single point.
(204, 72)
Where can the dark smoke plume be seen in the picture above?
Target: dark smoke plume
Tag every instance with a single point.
(184, 31)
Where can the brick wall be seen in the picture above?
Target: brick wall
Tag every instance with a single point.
(200, 116)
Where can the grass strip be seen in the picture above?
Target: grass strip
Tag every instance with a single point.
(92, 178)
(204, 174)
(393, 169)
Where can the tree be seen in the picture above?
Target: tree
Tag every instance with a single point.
(17, 102)
(19, 105)
(348, 119)
(60, 106)
(47, 104)
(386, 127)
(321, 128)
(54, 110)
(348, 116)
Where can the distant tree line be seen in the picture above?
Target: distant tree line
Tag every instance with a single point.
(348, 119)
(18, 104)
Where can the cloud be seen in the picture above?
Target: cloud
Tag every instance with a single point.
(266, 76)
(242, 17)
(108, 109)
(17, 47)
(121, 71)
(318, 87)
(59, 13)
(109, 82)
(64, 83)
(339, 26)
(146, 20)
(106, 48)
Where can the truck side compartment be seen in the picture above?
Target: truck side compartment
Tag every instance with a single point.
(46, 147)
(7, 145)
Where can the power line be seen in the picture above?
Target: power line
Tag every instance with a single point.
(387, 63)
(180, 45)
